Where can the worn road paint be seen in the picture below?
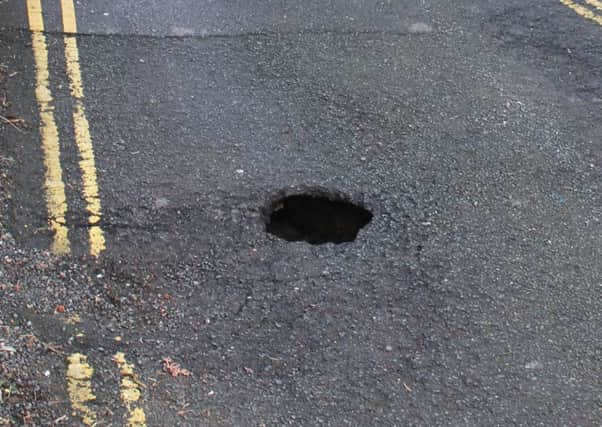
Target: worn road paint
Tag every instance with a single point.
(74, 319)
(595, 3)
(130, 391)
(583, 11)
(56, 200)
(83, 139)
(79, 386)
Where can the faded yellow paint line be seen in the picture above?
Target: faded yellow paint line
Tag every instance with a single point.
(73, 319)
(79, 386)
(83, 139)
(56, 200)
(595, 3)
(583, 11)
(130, 391)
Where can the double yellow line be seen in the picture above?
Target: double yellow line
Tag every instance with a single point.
(56, 200)
(585, 11)
(79, 385)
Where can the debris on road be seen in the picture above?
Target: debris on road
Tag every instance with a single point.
(174, 369)
(6, 348)
(13, 121)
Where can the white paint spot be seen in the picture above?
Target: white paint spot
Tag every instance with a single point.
(420, 28)
(533, 365)
(161, 202)
(182, 31)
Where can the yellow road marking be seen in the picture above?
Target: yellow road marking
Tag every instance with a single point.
(583, 11)
(73, 319)
(56, 201)
(79, 386)
(130, 392)
(596, 3)
(83, 139)
(34, 13)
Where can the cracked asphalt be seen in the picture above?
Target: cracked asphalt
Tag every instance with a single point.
(472, 132)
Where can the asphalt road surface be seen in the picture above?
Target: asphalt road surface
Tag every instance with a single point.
(149, 141)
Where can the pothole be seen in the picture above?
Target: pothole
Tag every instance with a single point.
(316, 219)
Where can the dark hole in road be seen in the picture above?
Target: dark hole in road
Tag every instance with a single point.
(316, 219)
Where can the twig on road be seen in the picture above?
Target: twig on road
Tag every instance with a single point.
(10, 122)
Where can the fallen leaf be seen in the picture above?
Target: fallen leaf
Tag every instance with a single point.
(174, 369)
